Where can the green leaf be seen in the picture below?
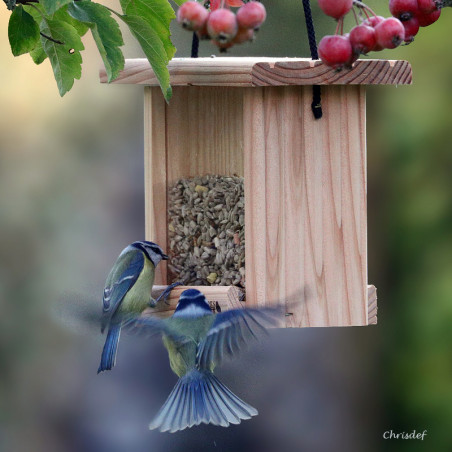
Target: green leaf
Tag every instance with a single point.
(63, 14)
(23, 31)
(37, 54)
(65, 58)
(52, 5)
(106, 33)
(153, 48)
(158, 14)
(179, 2)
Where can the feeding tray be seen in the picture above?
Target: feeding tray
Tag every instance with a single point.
(304, 179)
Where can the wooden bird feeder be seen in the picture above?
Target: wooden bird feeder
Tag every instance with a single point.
(305, 179)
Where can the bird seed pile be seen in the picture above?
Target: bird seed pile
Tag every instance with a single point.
(206, 221)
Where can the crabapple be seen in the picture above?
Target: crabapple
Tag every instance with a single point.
(427, 19)
(390, 33)
(362, 38)
(251, 15)
(373, 21)
(427, 6)
(243, 35)
(403, 9)
(411, 29)
(215, 4)
(222, 25)
(336, 8)
(203, 34)
(192, 15)
(335, 51)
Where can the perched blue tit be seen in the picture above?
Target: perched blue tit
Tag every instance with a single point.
(196, 340)
(127, 292)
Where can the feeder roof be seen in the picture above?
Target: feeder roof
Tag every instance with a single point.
(252, 72)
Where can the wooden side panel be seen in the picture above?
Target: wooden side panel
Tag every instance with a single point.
(155, 173)
(305, 192)
(204, 132)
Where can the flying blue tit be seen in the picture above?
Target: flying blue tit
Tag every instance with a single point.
(127, 292)
(196, 340)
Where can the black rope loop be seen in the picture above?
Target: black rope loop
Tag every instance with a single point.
(194, 46)
(316, 105)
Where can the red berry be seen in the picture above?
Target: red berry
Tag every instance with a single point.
(336, 8)
(411, 29)
(192, 15)
(427, 19)
(403, 9)
(243, 35)
(203, 34)
(390, 33)
(373, 22)
(222, 25)
(427, 6)
(335, 51)
(235, 3)
(251, 15)
(223, 46)
(215, 4)
(362, 38)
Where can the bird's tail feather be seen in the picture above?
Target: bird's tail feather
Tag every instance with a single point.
(107, 360)
(200, 398)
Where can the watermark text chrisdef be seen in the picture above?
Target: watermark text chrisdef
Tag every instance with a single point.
(389, 434)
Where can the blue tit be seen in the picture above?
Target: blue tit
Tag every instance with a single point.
(127, 292)
(196, 340)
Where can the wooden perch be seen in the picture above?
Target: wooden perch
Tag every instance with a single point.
(230, 297)
(372, 305)
(227, 297)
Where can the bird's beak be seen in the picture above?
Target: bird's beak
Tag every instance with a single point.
(164, 257)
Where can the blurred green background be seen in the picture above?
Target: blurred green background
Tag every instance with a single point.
(71, 197)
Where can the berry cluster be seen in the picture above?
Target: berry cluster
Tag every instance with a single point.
(214, 20)
(372, 32)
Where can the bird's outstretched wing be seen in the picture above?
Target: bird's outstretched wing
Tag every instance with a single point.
(231, 330)
(150, 326)
(121, 278)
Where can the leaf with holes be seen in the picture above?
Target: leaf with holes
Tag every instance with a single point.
(106, 33)
(23, 31)
(63, 50)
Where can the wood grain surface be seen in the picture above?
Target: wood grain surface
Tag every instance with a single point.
(305, 188)
(248, 72)
(372, 305)
(305, 203)
(155, 174)
(204, 132)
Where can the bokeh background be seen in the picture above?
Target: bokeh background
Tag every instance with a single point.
(71, 197)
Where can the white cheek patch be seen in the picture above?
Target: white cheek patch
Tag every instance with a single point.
(192, 310)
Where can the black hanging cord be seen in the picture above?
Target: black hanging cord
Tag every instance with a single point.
(316, 105)
(195, 46)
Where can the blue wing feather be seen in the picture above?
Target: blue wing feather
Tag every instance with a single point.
(121, 283)
(231, 330)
